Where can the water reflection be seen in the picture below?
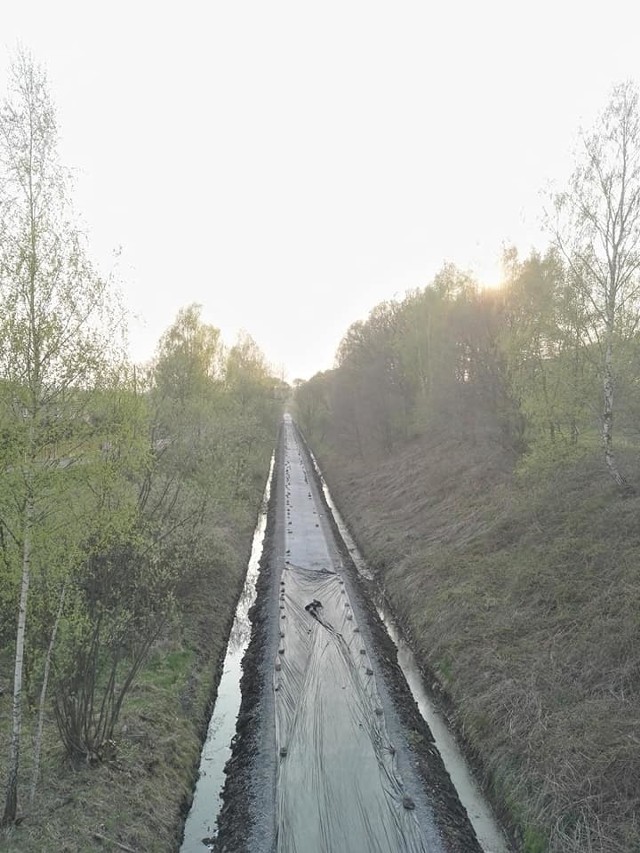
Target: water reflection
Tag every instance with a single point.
(241, 628)
(200, 826)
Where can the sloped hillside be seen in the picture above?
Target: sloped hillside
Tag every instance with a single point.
(520, 590)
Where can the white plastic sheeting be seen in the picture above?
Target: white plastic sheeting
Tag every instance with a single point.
(338, 786)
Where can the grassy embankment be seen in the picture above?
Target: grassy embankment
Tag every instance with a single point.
(135, 799)
(520, 592)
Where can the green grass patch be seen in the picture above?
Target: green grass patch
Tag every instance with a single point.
(166, 671)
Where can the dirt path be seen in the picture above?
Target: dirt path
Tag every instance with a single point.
(331, 753)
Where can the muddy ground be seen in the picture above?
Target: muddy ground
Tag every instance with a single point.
(248, 819)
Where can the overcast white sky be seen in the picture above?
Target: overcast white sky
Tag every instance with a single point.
(291, 164)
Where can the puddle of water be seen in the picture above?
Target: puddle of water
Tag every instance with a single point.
(487, 830)
(200, 825)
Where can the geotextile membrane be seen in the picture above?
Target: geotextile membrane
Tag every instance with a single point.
(338, 786)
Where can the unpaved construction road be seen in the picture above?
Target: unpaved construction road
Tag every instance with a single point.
(331, 755)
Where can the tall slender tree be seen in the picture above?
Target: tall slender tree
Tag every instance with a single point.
(597, 228)
(53, 342)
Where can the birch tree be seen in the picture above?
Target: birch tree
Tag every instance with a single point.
(53, 342)
(597, 229)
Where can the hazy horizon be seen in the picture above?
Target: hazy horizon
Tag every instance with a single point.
(290, 166)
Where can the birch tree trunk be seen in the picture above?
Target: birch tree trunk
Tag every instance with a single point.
(607, 416)
(11, 800)
(37, 746)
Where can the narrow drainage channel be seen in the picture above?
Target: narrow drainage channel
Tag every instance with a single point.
(488, 832)
(200, 826)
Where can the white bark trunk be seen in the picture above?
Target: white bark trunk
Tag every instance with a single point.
(607, 416)
(37, 746)
(11, 801)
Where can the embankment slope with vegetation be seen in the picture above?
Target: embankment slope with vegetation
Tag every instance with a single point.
(131, 619)
(520, 592)
(136, 796)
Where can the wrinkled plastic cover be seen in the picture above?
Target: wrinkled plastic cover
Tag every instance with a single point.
(338, 786)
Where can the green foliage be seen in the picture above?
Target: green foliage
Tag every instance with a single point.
(515, 364)
(313, 406)
(121, 597)
(219, 417)
(534, 841)
(167, 670)
(550, 371)
(253, 407)
(435, 360)
(545, 458)
(189, 357)
(597, 230)
(445, 669)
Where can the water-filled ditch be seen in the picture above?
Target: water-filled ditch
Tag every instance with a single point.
(200, 825)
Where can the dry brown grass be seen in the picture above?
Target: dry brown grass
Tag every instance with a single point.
(521, 592)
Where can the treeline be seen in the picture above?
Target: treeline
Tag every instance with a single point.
(114, 480)
(472, 362)
(543, 362)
